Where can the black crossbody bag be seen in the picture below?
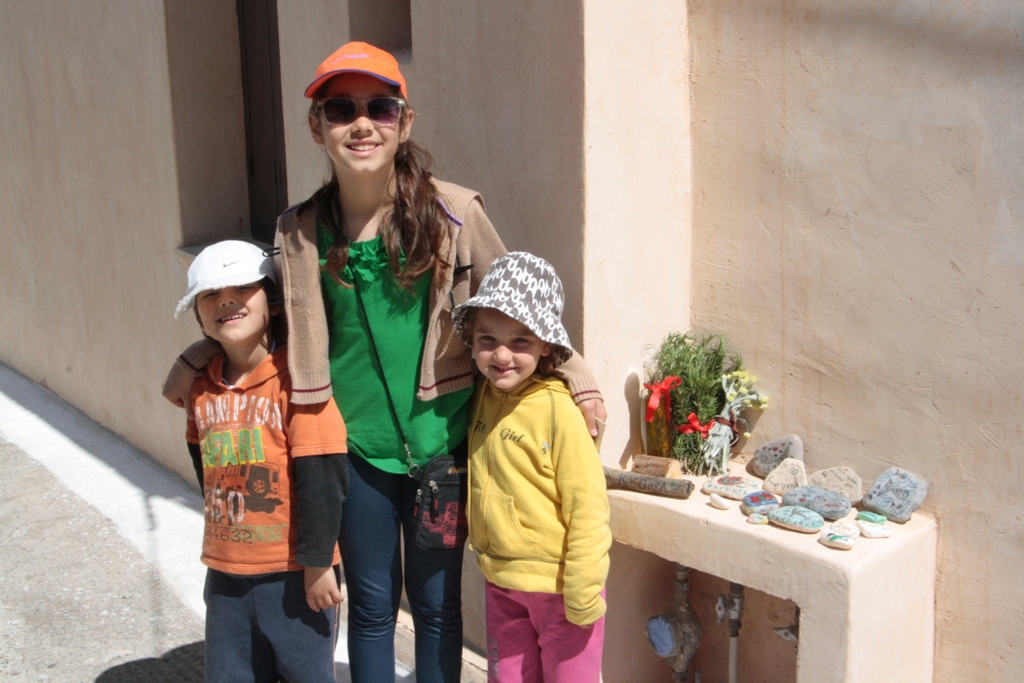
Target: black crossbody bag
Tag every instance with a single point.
(440, 509)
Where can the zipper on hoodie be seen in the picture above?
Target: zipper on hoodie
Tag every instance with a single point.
(485, 489)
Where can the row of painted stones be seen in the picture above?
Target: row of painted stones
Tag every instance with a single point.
(794, 513)
(896, 493)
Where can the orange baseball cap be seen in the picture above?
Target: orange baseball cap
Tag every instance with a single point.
(360, 58)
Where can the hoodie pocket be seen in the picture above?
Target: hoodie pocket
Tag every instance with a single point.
(506, 536)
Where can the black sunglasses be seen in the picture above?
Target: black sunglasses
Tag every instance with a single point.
(341, 111)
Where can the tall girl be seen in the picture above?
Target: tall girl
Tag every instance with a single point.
(371, 266)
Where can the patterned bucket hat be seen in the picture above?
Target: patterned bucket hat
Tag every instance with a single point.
(525, 288)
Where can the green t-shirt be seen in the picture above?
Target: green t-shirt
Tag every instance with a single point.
(398, 319)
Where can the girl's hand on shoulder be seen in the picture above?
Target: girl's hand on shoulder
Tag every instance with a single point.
(593, 410)
(178, 388)
(322, 590)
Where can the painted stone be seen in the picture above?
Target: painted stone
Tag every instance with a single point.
(872, 530)
(789, 474)
(846, 527)
(719, 502)
(833, 540)
(797, 518)
(758, 501)
(841, 480)
(731, 487)
(828, 504)
(768, 455)
(757, 518)
(896, 494)
(873, 517)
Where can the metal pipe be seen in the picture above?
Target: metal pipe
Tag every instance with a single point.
(734, 658)
(676, 634)
(731, 606)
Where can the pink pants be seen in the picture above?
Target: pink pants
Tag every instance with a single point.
(529, 640)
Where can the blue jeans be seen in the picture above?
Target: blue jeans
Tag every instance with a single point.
(259, 630)
(378, 513)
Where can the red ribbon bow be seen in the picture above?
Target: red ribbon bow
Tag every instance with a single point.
(662, 387)
(693, 426)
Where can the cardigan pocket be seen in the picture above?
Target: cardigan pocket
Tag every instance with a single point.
(460, 288)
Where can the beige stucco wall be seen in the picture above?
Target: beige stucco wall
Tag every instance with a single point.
(857, 206)
(636, 154)
(120, 126)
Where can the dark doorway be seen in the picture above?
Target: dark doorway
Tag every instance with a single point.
(264, 130)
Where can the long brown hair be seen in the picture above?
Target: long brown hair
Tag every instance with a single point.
(416, 226)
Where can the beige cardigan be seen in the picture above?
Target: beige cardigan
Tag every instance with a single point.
(446, 365)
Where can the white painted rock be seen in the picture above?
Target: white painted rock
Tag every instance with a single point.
(768, 455)
(872, 530)
(757, 518)
(846, 527)
(731, 487)
(841, 480)
(789, 474)
(719, 502)
(797, 518)
(833, 540)
(896, 494)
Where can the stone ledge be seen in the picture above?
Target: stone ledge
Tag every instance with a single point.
(866, 614)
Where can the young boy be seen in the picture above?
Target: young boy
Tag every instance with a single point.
(274, 477)
(538, 509)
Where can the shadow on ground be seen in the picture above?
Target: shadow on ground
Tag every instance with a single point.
(181, 665)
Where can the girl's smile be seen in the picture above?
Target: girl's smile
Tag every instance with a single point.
(506, 351)
(361, 147)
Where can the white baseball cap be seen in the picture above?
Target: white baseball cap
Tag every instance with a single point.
(225, 264)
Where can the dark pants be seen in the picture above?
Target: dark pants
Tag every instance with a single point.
(378, 513)
(261, 629)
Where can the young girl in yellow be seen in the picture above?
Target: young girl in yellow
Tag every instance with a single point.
(538, 506)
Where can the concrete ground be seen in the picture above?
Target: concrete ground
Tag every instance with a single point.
(77, 601)
(100, 578)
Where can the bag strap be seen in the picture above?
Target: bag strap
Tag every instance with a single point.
(414, 470)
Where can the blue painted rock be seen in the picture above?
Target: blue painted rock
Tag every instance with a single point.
(872, 530)
(731, 487)
(896, 494)
(719, 502)
(833, 540)
(757, 518)
(846, 527)
(873, 517)
(758, 501)
(841, 480)
(768, 455)
(789, 474)
(797, 518)
(828, 504)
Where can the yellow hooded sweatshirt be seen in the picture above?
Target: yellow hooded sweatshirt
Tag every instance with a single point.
(538, 505)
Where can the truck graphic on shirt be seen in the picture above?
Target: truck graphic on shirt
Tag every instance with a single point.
(238, 489)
